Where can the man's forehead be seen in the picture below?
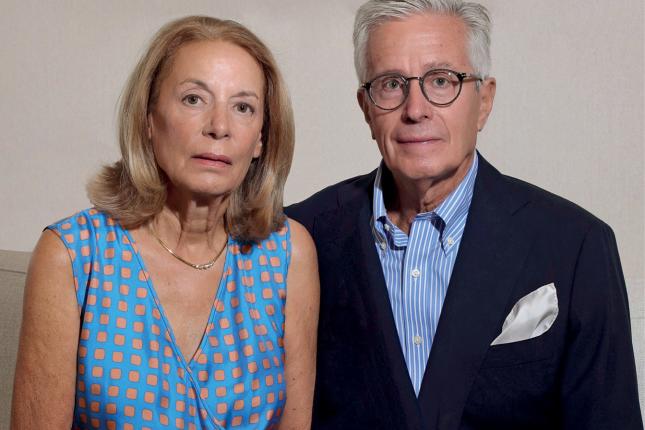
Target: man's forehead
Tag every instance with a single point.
(428, 40)
(417, 28)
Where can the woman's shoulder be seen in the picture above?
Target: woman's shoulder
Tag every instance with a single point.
(83, 219)
(291, 239)
(86, 224)
(86, 229)
(302, 245)
(290, 235)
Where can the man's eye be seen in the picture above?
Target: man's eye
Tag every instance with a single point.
(440, 82)
(391, 84)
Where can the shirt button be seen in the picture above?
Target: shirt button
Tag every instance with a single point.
(383, 246)
(417, 340)
(415, 273)
(386, 227)
(451, 241)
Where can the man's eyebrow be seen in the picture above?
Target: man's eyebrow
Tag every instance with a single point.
(426, 67)
(436, 65)
(388, 72)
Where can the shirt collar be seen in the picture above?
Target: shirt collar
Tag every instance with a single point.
(456, 205)
(453, 208)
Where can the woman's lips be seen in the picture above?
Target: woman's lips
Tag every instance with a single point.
(212, 159)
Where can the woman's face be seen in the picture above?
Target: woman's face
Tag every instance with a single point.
(206, 124)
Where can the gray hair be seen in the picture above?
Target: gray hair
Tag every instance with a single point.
(474, 15)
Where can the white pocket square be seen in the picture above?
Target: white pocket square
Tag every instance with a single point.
(531, 316)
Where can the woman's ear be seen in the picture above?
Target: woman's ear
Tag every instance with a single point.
(257, 151)
(149, 126)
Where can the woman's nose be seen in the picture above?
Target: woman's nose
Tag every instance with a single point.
(216, 124)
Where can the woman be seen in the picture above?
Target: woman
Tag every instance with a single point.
(184, 298)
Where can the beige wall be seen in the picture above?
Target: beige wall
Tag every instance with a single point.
(568, 117)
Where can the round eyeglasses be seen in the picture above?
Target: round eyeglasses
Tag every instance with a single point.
(439, 86)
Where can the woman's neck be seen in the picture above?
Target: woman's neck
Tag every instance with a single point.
(192, 227)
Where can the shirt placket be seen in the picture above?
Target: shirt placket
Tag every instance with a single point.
(417, 295)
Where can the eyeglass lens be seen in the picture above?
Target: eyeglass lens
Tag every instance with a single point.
(438, 86)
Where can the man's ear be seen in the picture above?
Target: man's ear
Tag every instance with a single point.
(364, 103)
(487, 96)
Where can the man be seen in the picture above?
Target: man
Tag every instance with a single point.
(453, 297)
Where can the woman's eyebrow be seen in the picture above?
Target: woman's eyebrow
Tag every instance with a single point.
(246, 94)
(202, 84)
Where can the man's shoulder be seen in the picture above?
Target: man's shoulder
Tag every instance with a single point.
(537, 206)
(550, 207)
(356, 190)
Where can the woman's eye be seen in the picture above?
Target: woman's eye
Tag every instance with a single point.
(244, 108)
(192, 99)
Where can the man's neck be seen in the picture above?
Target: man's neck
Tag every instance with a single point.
(404, 199)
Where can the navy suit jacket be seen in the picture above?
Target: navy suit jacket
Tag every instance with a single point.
(580, 374)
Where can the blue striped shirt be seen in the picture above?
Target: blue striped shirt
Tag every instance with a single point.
(417, 267)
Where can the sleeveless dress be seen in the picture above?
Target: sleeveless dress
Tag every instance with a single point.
(131, 374)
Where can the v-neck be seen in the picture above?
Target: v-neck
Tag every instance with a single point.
(136, 360)
(219, 296)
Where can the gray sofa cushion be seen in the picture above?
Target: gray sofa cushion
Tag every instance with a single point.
(13, 266)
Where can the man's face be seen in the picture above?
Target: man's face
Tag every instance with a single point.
(421, 142)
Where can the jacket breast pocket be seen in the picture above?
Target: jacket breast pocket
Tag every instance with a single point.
(515, 386)
(540, 348)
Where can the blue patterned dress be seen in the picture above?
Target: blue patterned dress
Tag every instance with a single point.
(131, 374)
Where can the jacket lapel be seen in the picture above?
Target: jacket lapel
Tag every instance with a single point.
(349, 241)
(490, 257)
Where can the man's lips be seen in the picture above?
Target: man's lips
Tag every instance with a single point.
(209, 158)
(417, 139)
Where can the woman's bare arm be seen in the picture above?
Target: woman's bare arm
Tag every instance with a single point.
(301, 323)
(43, 393)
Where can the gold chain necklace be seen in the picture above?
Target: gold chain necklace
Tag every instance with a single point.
(205, 266)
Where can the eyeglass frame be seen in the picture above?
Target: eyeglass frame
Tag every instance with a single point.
(406, 80)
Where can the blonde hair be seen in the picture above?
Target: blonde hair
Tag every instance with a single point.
(133, 189)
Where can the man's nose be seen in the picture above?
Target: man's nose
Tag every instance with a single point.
(416, 107)
(217, 122)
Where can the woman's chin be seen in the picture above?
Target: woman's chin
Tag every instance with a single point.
(200, 192)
